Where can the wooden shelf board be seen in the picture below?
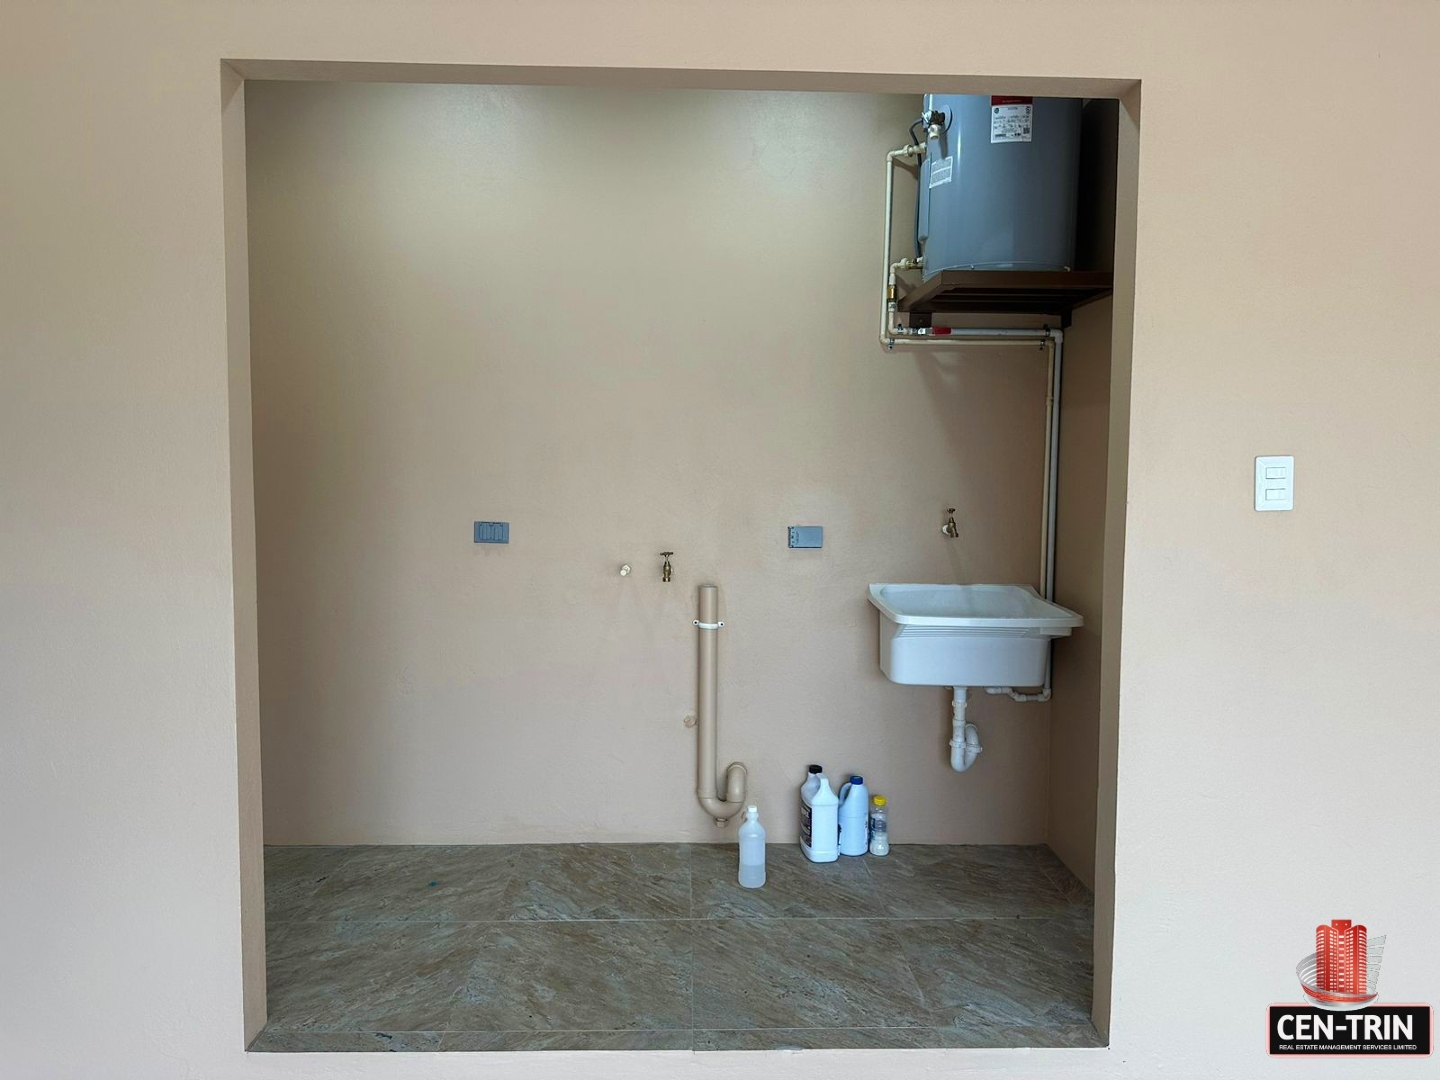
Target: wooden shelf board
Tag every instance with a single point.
(1005, 292)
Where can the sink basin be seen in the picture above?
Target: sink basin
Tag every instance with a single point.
(967, 635)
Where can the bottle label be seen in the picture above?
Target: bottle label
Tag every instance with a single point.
(806, 824)
(877, 826)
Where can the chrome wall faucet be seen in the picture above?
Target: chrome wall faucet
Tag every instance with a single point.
(950, 529)
(665, 570)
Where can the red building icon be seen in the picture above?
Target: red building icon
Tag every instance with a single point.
(1340, 954)
(1342, 972)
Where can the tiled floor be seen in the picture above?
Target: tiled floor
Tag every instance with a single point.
(656, 947)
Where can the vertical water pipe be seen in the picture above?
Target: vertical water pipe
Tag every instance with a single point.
(722, 810)
(1051, 499)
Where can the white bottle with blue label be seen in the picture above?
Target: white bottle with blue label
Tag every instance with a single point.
(854, 817)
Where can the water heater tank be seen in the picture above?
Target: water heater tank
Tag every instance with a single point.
(998, 184)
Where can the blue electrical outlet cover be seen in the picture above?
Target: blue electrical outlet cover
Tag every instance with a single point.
(807, 536)
(492, 532)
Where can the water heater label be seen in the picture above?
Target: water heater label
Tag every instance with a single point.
(1011, 119)
(941, 171)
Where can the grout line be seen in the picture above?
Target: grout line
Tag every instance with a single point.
(442, 1036)
(562, 1031)
(375, 1030)
(418, 923)
(690, 862)
(848, 1027)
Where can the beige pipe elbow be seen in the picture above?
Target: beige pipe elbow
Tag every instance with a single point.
(722, 810)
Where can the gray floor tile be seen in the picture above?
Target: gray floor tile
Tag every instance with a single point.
(963, 881)
(1060, 875)
(985, 1033)
(600, 881)
(801, 973)
(344, 1042)
(1070, 935)
(607, 975)
(274, 932)
(795, 888)
(294, 874)
(591, 947)
(425, 884)
(367, 976)
(820, 1039)
(995, 970)
(506, 1041)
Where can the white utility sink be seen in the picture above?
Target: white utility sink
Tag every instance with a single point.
(967, 635)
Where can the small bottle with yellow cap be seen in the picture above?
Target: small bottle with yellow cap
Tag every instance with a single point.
(879, 826)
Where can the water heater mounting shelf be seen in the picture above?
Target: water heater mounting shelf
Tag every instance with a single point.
(1004, 292)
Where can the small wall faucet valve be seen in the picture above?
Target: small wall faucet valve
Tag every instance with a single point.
(666, 569)
(950, 529)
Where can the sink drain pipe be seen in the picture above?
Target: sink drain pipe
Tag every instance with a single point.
(965, 737)
(722, 810)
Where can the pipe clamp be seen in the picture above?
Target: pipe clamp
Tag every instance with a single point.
(708, 625)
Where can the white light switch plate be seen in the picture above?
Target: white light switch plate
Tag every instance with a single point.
(1275, 483)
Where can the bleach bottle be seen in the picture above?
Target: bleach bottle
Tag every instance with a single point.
(854, 817)
(819, 819)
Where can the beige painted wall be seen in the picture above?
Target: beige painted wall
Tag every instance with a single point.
(1276, 265)
(621, 347)
(1079, 585)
